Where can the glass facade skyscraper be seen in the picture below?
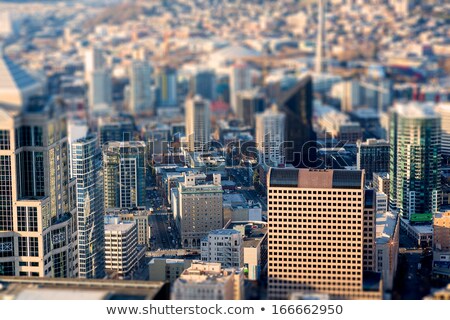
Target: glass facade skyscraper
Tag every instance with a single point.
(415, 161)
(87, 169)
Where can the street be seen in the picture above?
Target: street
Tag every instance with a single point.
(161, 237)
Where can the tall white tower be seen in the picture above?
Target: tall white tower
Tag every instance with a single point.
(320, 37)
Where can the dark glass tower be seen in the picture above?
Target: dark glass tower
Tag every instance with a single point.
(300, 144)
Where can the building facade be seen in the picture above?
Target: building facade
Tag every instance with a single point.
(270, 139)
(224, 246)
(373, 156)
(198, 124)
(200, 209)
(124, 167)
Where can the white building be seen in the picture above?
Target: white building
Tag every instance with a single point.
(240, 79)
(100, 90)
(387, 243)
(141, 99)
(270, 128)
(121, 247)
(224, 246)
(209, 281)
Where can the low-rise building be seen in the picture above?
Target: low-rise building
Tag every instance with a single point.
(138, 215)
(162, 269)
(254, 242)
(209, 281)
(441, 245)
(224, 246)
(122, 252)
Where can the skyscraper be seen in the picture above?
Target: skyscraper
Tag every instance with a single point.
(373, 156)
(124, 169)
(250, 102)
(240, 79)
(415, 161)
(100, 91)
(270, 129)
(317, 236)
(297, 104)
(87, 170)
(98, 78)
(203, 83)
(444, 110)
(320, 36)
(141, 99)
(198, 124)
(167, 87)
(38, 224)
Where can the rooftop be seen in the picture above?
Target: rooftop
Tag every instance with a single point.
(31, 288)
(316, 179)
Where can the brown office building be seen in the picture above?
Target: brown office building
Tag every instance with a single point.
(317, 235)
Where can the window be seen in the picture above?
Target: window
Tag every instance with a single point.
(4, 140)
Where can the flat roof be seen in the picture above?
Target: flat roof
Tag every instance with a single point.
(316, 179)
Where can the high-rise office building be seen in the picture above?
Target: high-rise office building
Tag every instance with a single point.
(203, 83)
(38, 224)
(209, 281)
(200, 207)
(100, 91)
(198, 124)
(297, 104)
(373, 156)
(141, 99)
(240, 79)
(98, 78)
(87, 170)
(224, 246)
(124, 171)
(270, 129)
(167, 87)
(93, 60)
(317, 239)
(320, 37)
(415, 162)
(444, 110)
(248, 103)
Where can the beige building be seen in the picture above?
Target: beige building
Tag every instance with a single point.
(209, 281)
(316, 234)
(139, 215)
(200, 209)
(122, 253)
(162, 269)
(38, 224)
